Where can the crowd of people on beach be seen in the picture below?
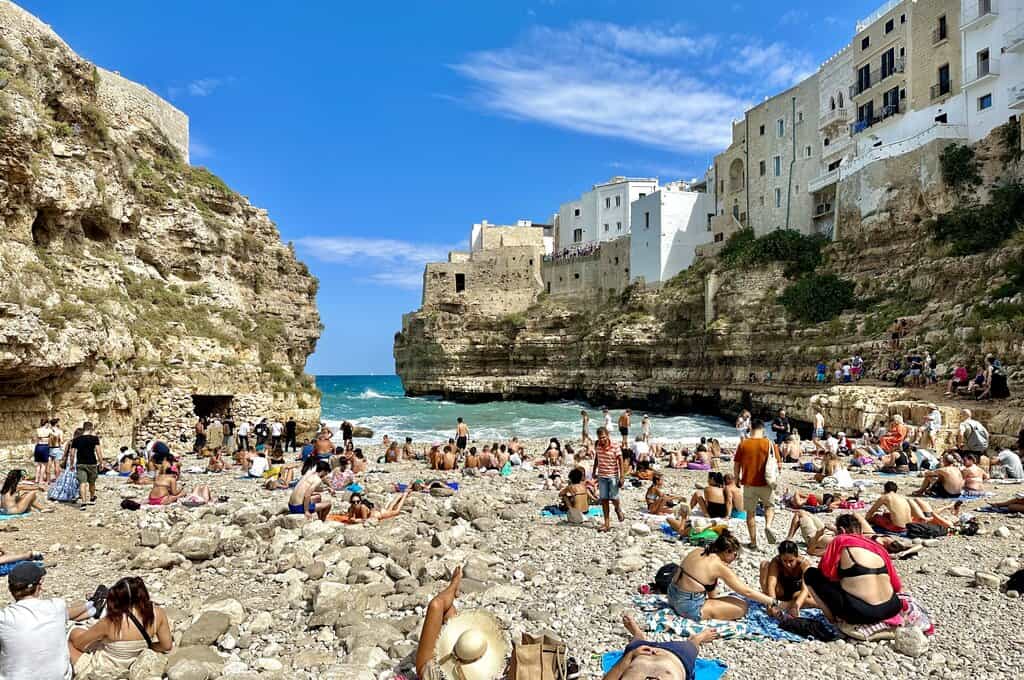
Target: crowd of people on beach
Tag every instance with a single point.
(846, 569)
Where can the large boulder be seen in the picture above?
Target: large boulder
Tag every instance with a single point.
(149, 665)
(207, 629)
(194, 663)
(228, 605)
(160, 557)
(199, 542)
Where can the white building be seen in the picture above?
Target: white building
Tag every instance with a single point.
(993, 51)
(603, 213)
(667, 227)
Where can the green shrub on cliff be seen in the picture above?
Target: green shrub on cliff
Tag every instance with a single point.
(959, 167)
(1009, 136)
(797, 252)
(970, 229)
(817, 297)
(1015, 284)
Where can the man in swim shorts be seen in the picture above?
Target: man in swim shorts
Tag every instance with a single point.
(461, 434)
(304, 500)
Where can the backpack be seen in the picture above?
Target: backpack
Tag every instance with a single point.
(771, 466)
(1016, 581)
(663, 579)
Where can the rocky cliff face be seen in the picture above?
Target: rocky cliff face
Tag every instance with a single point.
(135, 289)
(693, 343)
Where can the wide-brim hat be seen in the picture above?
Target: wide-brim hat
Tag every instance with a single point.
(471, 646)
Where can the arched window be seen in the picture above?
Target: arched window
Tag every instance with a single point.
(832, 103)
(840, 100)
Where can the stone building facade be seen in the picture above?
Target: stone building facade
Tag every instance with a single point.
(605, 271)
(131, 105)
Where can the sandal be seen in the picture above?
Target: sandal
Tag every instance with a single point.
(35, 557)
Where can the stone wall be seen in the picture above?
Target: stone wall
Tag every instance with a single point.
(604, 272)
(496, 282)
(131, 105)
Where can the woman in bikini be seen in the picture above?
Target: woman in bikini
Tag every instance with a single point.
(782, 577)
(659, 502)
(360, 509)
(165, 489)
(713, 501)
(577, 496)
(131, 625)
(692, 591)
(13, 502)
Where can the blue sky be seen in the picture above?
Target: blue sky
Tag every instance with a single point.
(376, 135)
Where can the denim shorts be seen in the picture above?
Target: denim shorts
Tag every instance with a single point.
(686, 604)
(609, 488)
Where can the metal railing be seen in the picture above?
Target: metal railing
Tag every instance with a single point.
(822, 181)
(875, 77)
(838, 114)
(981, 69)
(836, 146)
(973, 10)
(887, 111)
(941, 89)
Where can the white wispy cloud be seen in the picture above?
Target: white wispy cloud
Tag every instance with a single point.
(201, 87)
(793, 17)
(590, 79)
(654, 85)
(775, 64)
(389, 262)
(198, 151)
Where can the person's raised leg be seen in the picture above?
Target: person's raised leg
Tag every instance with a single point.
(701, 502)
(323, 508)
(724, 609)
(440, 609)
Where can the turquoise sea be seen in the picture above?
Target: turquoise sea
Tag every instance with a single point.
(379, 403)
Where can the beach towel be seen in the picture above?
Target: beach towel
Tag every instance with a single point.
(913, 614)
(354, 488)
(1001, 511)
(4, 517)
(6, 569)
(552, 511)
(663, 623)
(703, 669)
(974, 495)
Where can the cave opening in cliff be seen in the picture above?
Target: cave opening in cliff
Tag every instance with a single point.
(206, 405)
(44, 227)
(95, 230)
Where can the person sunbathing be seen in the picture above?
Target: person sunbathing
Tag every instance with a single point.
(664, 660)
(659, 502)
(897, 514)
(692, 591)
(791, 450)
(216, 462)
(305, 499)
(280, 478)
(361, 509)
(894, 437)
(856, 581)
(946, 482)
(923, 512)
(815, 533)
(782, 577)
(896, 461)
(13, 501)
(713, 500)
(577, 496)
(974, 476)
(734, 497)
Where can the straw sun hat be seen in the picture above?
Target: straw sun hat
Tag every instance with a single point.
(471, 646)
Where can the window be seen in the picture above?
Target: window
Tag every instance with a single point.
(808, 152)
(618, 226)
(719, 238)
(647, 220)
(616, 260)
(866, 113)
(984, 102)
(643, 195)
(942, 32)
(618, 201)
(606, 226)
(891, 102)
(762, 200)
(833, 165)
(840, 100)
(865, 42)
(827, 141)
(607, 202)
(889, 26)
(903, 18)
(721, 186)
(782, 127)
(778, 198)
(762, 131)
(863, 78)
(777, 164)
(460, 283)
(888, 62)
(797, 188)
(799, 116)
(576, 212)
(983, 63)
(577, 235)
(944, 83)
(832, 103)
(762, 166)
(576, 276)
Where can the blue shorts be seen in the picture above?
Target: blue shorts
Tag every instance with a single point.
(608, 488)
(686, 604)
(819, 433)
(56, 452)
(297, 509)
(738, 514)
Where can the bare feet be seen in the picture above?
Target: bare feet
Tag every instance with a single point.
(706, 635)
(446, 598)
(632, 627)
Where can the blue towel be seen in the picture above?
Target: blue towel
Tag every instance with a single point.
(1001, 511)
(354, 488)
(704, 669)
(6, 517)
(592, 512)
(760, 622)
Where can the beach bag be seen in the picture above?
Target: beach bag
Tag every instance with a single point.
(919, 530)
(538, 658)
(771, 467)
(1016, 581)
(663, 579)
(65, 488)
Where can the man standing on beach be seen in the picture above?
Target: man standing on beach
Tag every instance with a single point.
(289, 434)
(461, 434)
(624, 427)
(608, 473)
(276, 433)
(819, 430)
(780, 427)
(88, 455)
(229, 434)
(748, 466)
(586, 425)
(243, 435)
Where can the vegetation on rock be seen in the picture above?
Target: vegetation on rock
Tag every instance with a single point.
(975, 228)
(797, 252)
(817, 297)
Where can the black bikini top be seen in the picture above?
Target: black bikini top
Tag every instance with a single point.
(859, 569)
(707, 588)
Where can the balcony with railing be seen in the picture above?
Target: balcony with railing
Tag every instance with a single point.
(821, 181)
(1015, 96)
(978, 13)
(822, 210)
(1013, 40)
(836, 147)
(981, 71)
(885, 113)
(941, 89)
(840, 114)
(876, 77)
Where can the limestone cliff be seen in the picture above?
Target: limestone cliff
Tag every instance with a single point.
(135, 289)
(693, 343)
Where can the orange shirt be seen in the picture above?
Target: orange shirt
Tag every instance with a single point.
(752, 454)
